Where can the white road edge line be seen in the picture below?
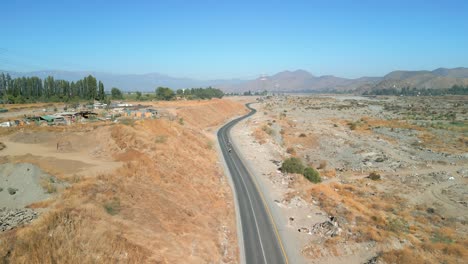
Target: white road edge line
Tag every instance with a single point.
(255, 218)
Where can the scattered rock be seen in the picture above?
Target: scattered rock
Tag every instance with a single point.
(463, 172)
(373, 260)
(12, 191)
(11, 218)
(328, 228)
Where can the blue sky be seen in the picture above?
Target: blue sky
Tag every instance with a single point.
(234, 39)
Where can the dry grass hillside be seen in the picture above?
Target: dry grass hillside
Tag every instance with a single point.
(167, 201)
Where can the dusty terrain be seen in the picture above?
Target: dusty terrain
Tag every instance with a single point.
(136, 192)
(415, 212)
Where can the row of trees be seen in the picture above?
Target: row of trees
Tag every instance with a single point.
(33, 89)
(200, 93)
(167, 94)
(407, 91)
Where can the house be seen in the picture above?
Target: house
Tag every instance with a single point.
(54, 119)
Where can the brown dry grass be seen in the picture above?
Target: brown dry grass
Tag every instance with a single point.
(168, 203)
(260, 135)
(204, 114)
(292, 137)
(372, 215)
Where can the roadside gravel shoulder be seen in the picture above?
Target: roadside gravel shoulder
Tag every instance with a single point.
(240, 138)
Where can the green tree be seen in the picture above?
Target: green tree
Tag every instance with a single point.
(116, 93)
(138, 96)
(91, 87)
(292, 165)
(101, 94)
(164, 93)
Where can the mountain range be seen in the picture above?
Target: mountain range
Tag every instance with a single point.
(128, 82)
(286, 81)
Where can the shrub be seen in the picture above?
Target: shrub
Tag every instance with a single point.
(127, 122)
(374, 176)
(397, 225)
(112, 207)
(181, 121)
(312, 175)
(291, 151)
(302, 135)
(292, 165)
(323, 165)
(160, 139)
(268, 130)
(379, 159)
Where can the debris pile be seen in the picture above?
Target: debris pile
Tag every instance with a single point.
(11, 218)
(329, 228)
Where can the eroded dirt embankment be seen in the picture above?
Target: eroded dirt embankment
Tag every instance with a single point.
(150, 191)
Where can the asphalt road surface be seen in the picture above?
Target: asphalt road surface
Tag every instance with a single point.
(262, 243)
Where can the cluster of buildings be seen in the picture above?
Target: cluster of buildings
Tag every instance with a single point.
(97, 111)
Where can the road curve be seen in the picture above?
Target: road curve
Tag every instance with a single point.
(262, 243)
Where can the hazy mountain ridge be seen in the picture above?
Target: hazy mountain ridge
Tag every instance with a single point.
(128, 82)
(436, 79)
(285, 81)
(300, 81)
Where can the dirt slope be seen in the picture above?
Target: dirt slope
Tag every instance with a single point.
(168, 202)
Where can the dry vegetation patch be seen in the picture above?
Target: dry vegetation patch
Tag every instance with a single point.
(167, 203)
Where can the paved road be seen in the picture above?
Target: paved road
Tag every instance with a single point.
(261, 240)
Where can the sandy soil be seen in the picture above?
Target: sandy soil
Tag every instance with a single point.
(150, 191)
(21, 185)
(422, 164)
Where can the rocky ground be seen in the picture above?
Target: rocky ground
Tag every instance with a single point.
(415, 211)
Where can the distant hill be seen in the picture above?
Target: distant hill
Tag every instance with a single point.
(437, 79)
(285, 81)
(299, 81)
(129, 82)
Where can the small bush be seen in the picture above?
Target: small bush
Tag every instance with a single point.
(48, 184)
(312, 175)
(268, 130)
(302, 135)
(397, 225)
(291, 151)
(352, 125)
(181, 121)
(127, 122)
(292, 165)
(323, 165)
(160, 139)
(441, 238)
(112, 207)
(374, 176)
